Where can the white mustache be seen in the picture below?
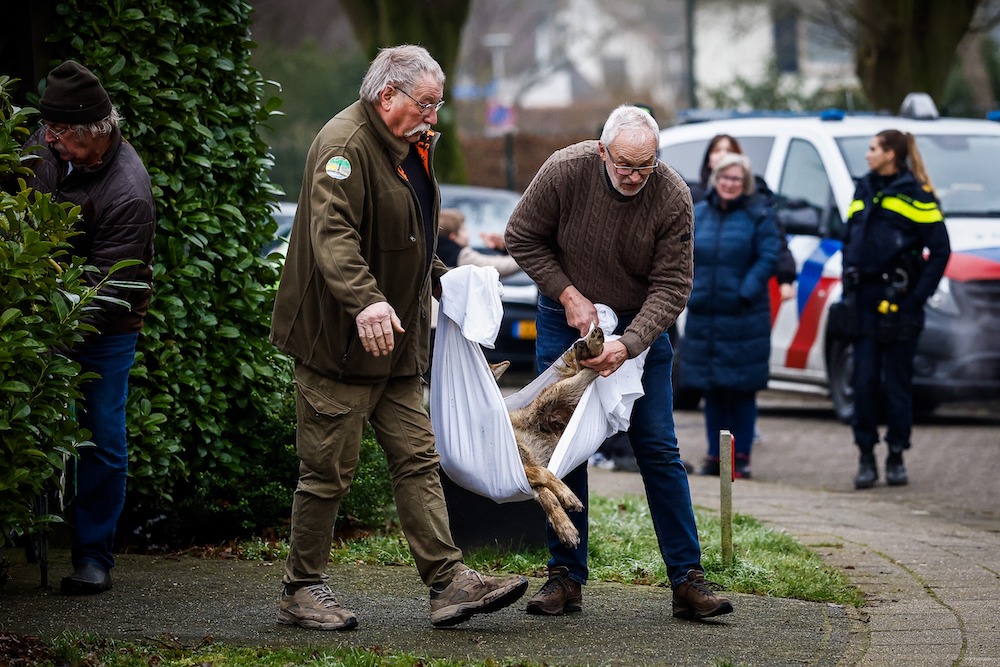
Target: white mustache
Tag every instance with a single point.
(419, 129)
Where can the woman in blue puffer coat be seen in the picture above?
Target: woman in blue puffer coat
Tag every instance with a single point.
(727, 336)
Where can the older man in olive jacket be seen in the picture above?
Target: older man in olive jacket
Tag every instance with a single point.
(353, 310)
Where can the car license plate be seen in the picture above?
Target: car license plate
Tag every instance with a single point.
(525, 330)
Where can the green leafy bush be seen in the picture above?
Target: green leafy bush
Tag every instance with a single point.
(205, 376)
(208, 419)
(215, 508)
(42, 299)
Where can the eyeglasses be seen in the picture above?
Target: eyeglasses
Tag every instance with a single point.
(54, 133)
(425, 108)
(729, 179)
(628, 170)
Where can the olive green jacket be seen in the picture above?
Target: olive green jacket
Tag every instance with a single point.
(357, 239)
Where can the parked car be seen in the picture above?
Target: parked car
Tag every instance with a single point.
(811, 164)
(284, 215)
(485, 210)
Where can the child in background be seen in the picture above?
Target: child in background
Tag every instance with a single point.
(453, 245)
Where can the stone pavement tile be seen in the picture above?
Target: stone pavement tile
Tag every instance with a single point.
(933, 637)
(923, 558)
(957, 594)
(889, 620)
(926, 605)
(979, 613)
(979, 652)
(922, 656)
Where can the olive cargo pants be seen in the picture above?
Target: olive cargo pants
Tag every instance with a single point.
(331, 417)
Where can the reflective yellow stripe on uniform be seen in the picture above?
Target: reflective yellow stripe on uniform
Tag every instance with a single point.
(856, 206)
(916, 211)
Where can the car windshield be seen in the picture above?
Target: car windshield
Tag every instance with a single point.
(960, 167)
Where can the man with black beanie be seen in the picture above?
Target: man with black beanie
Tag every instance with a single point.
(79, 156)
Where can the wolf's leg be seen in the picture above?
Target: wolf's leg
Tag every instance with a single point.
(564, 393)
(558, 518)
(542, 478)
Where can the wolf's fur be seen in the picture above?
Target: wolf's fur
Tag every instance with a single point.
(539, 425)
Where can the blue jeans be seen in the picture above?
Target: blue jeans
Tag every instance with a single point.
(655, 446)
(734, 411)
(102, 470)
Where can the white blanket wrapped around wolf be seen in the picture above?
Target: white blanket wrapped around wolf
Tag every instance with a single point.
(469, 413)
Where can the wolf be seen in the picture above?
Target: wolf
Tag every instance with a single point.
(539, 425)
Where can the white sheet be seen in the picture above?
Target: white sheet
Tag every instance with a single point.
(469, 413)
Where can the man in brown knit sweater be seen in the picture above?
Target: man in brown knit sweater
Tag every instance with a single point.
(606, 222)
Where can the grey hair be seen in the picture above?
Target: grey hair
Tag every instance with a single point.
(398, 66)
(100, 128)
(632, 119)
(728, 160)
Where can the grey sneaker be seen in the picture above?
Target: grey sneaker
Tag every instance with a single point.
(471, 593)
(315, 607)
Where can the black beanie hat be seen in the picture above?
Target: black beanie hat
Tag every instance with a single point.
(74, 96)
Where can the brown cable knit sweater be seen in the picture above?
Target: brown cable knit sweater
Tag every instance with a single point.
(630, 253)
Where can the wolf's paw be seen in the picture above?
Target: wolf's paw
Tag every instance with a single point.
(594, 343)
(568, 535)
(569, 500)
(585, 348)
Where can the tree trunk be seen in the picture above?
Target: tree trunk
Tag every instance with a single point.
(437, 26)
(908, 45)
(971, 55)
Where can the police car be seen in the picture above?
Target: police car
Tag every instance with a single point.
(811, 163)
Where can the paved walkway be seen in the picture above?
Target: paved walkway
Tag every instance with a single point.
(933, 589)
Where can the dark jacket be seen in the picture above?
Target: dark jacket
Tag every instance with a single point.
(785, 270)
(447, 251)
(358, 239)
(118, 221)
(889, 223)
(727, 335)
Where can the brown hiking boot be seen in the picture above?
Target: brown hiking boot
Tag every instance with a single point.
(694, 599)
(559, 595)
(471, 593)
(314, 607)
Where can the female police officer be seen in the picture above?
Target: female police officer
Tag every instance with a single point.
(893, 218)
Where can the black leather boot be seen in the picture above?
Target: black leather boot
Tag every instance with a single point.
(867, 472)
(895, 471)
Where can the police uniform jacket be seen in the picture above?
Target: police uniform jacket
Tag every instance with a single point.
(357, 240)
(890, 222)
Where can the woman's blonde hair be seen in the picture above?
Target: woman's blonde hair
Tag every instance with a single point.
(728, 160)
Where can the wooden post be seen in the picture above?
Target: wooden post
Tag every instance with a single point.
(726, 495)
